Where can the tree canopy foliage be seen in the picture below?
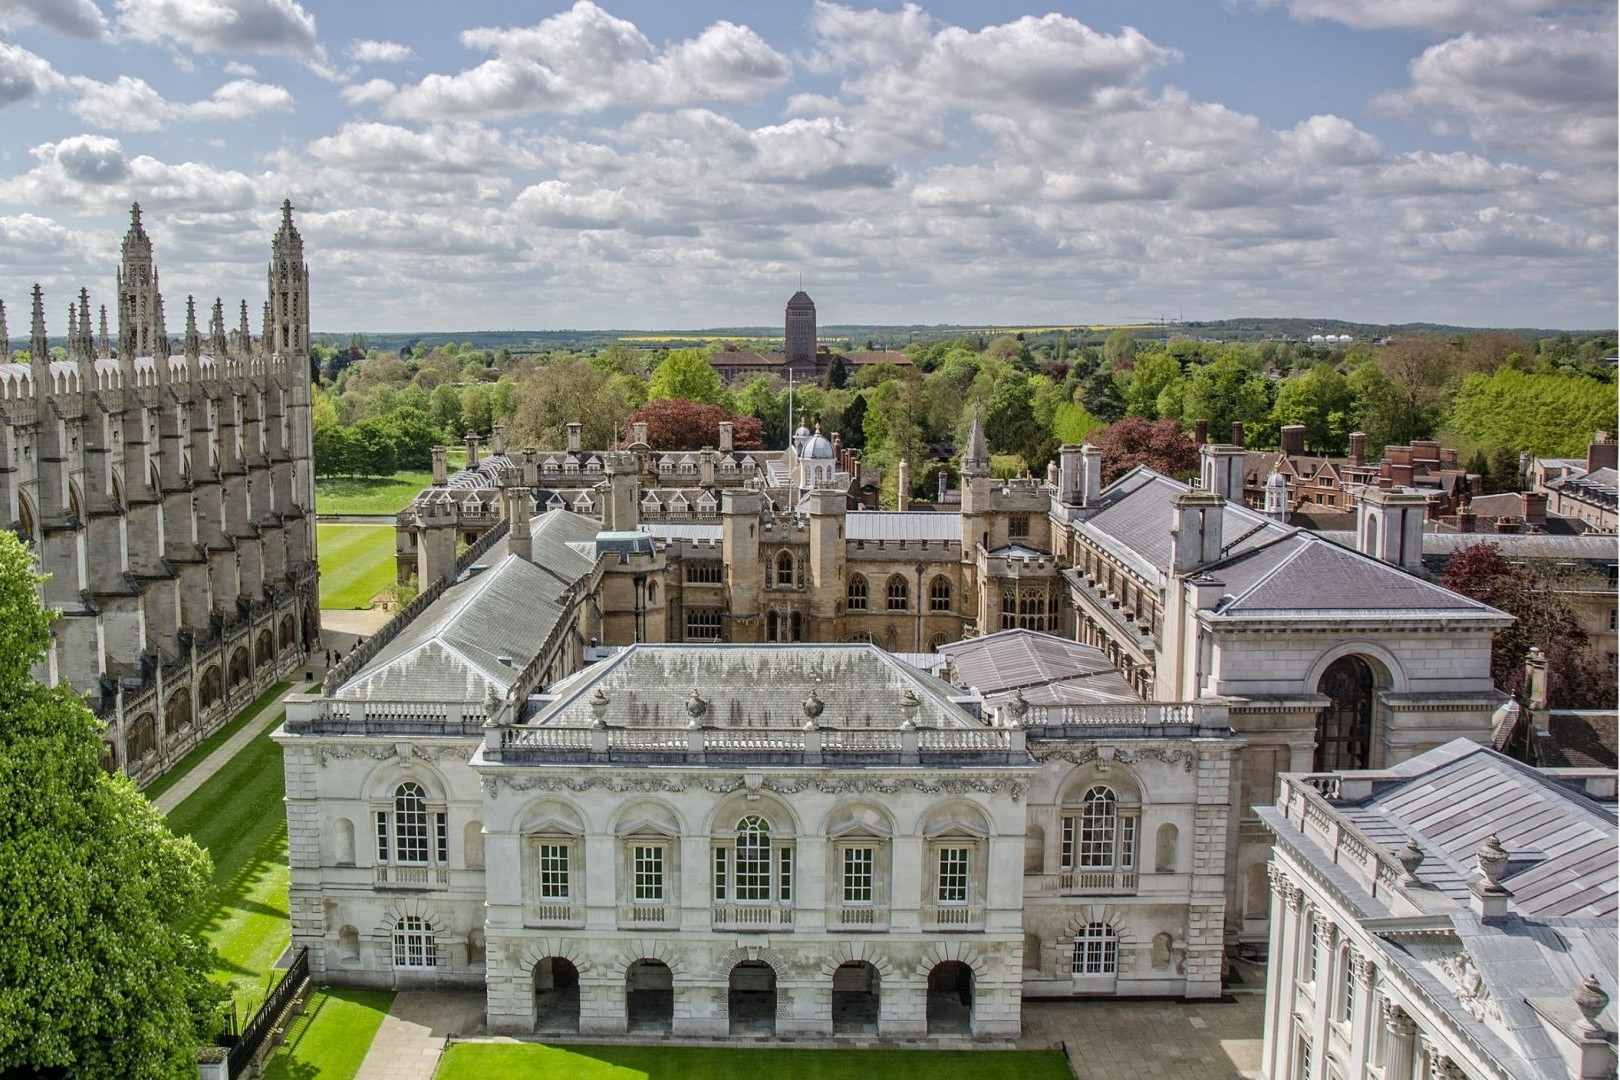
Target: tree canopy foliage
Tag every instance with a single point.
(95, 978)
(677, 424)
(1577, 678)
(1161, 445)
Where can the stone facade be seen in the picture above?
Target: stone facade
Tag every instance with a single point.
(168, 490)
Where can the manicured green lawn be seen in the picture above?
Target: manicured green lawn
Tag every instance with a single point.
(357, 563)
(330, 1040)
(201, 751)
(237, 815)
(532, 1061)
(368, 494)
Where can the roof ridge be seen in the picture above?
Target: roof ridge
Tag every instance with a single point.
(1269, 574)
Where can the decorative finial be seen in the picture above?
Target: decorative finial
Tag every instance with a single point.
(599, 704)
(695, 705)
(813, 705)
(1591, 1000)
(1411, 857)
(1493, 858)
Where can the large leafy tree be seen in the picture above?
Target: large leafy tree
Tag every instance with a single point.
(1577, 678)
(687, 374)
(95, 977)
(1321, 400)
(1159, 444)
(675, 424)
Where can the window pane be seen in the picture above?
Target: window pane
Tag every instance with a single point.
(649, 873)
(554, 871)
(1096, 950)
(858, 875)
(784, 877)
(719, 873)
(753, 860)
(1067, 859)
(410, 824)
(953, 875)
(382, 836)
(441, 838)
(1097, 828)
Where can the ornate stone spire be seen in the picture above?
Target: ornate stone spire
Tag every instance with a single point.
(5, 336)
(39, 346)
(244, 335)
(976, 458)
(73, 330)
(103, 343)
(289, 291)
(193, 342)
(139, 306)
(87, 343)
(216, 330)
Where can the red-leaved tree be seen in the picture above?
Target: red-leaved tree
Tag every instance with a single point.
(1577, 678)
(1158, 444)
(678, 424)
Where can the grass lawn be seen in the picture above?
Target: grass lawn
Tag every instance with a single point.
(357, 563)
(201, 751)
(368, 494)
(532, 1061)
(330, 1040)
(237, 815)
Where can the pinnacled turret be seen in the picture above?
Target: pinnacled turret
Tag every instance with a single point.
(39, 346)
(216, 331)
(266, 338)
(289, 289)
(5, 336)
(244, 335)
(140, 306)
(87, 341)
(103, 343)
(73, 332)
(976, 458)
(193, 339)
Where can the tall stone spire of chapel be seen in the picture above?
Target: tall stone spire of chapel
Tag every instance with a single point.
(976, 459)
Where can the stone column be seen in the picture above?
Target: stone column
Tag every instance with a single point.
(1362, 1019)
(1398, 1044)
(1281, 968)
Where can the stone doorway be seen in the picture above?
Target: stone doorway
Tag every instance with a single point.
(649, 997)
(751, 998)
(950, 999)
(855, 999)
(556, 996)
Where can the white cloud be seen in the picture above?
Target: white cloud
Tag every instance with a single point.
(586, 60)
(1546, 88)
(367, 51)
(240, 100)
(75, 18)
(388, 149)
(23, 75)
(1445, 16)
(369, 92)
(127, 104)
(91, 171)
(265, 26)
(240, 70)
(131, 104)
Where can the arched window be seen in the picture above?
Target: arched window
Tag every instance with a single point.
(751, 867)
(410, 832)
(784, 568)
(855, 600)
(1098, 850)
(1344, 727)
(939, 595)
(898, 593)
(413, 943)
(1096, 950)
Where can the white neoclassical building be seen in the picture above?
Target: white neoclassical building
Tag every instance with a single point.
(1452, 916)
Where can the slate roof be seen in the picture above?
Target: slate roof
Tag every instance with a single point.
(1267, 567)
(1049, 670)
(453, 650)
(902, 525)
(753, 686)
(1561, 923)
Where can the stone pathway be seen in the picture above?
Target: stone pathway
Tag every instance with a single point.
(412, 1036)
(205, 769)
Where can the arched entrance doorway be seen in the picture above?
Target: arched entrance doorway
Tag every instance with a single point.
(649, 996)
(855, 999)
(556, 995)
(751, 998)
(1344, 727)
(950, 999)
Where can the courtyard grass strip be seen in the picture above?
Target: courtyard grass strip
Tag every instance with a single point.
(368, 494)
(199, 753)
(330, 1040)
(237, 816)
(534, 1061)
(357, 563)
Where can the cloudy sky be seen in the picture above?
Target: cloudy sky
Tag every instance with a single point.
(640, 163)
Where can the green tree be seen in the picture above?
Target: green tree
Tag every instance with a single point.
(1100, 396)
(444, 409)
(1119, 347)
(477, 409)
(1225, 391)
(1550, 415)
(567, 389)
(1009, 415)
(1321, 400)
(687, 374)
(95, 979)
(1150, 374)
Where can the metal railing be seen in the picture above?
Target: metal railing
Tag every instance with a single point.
(242, 1048)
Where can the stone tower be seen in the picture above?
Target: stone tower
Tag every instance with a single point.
(799, 335)
(140, 311)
